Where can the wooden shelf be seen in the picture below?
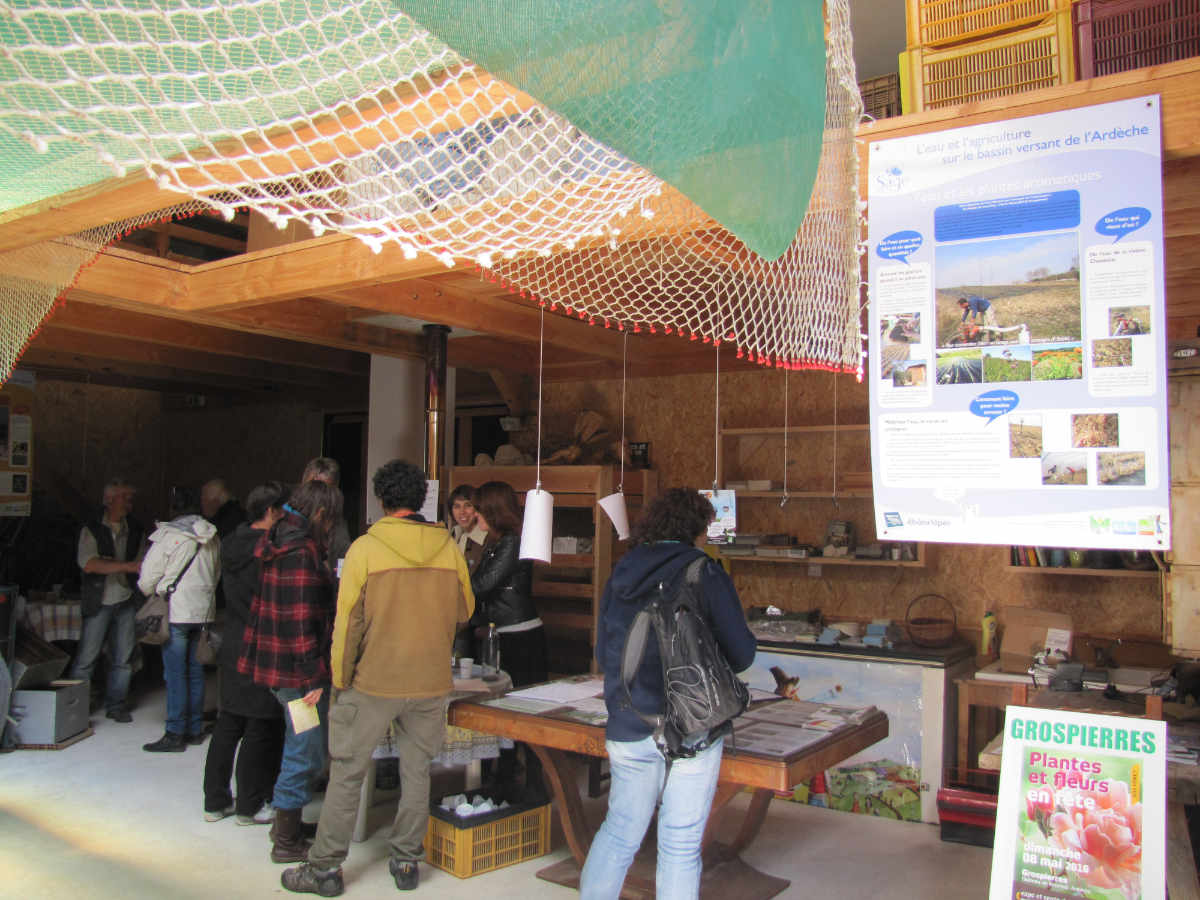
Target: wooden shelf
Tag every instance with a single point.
(795, 429)
(918, 563)
(1067, 570)
(849, 494)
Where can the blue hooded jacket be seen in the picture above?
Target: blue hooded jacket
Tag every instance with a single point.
(639, 572)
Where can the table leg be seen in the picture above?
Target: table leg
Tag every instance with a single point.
(561, 771)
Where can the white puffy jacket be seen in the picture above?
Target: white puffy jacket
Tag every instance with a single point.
(171, 546)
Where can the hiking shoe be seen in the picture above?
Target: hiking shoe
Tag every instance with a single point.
(119, 714)
(168, 743)
(264, 816)
(405, 873)
(308, 879)
(216, 815)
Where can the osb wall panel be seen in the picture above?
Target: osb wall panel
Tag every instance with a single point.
(86, 434)
(676, 415)
(245, 445)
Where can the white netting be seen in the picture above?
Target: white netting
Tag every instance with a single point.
(349, 117)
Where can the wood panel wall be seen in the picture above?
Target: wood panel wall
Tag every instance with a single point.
(676, 415)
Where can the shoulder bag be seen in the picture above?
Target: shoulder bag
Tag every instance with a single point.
(152, 623)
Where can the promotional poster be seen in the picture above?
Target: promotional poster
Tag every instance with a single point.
(16, 444)
(1016, 333)
(1082, 808)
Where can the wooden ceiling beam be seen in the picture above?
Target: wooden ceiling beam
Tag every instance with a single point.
(158, 330)
(435, 300)
(228, 370)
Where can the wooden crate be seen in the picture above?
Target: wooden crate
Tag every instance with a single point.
(1118, 35)
(939, 23)
(881, 96)
(1023, 60)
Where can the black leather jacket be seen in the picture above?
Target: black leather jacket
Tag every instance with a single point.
(503, 584)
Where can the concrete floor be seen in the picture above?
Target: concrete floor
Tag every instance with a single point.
(105, 820)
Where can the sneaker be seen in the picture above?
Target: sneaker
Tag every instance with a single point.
(265, 816)
(405, 873)
(216, 815)
(119, 714)
(168, 743)
(308, 879)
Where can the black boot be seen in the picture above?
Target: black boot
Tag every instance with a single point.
(168, 743)
(289, 845)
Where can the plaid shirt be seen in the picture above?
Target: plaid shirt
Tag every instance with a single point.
(286, 643)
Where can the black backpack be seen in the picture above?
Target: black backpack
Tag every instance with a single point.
(701, 693)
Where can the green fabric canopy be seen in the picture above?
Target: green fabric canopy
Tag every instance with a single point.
(723, 100)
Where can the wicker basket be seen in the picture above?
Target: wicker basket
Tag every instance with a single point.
(931, 621)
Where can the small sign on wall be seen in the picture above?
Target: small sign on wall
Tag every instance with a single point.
(16, 444)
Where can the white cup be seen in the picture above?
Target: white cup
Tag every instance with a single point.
(465, 666)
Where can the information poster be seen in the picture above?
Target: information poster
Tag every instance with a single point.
(1017, 323)
(723, 528)
(1082, 808)
(16, 444)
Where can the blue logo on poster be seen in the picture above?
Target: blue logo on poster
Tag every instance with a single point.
(1124, 526)
(900, 245)
(994, 404)
(892, 520)
(1121, 222)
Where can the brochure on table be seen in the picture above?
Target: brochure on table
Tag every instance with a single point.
(1082, 807)
(1017, 323)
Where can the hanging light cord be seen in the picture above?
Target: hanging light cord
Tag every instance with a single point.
(621, 447)
(784, 499)
(717, 424)
(541, 350)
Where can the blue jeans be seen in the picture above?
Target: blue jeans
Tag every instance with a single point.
(637, 776)
(112, 625)
(185, 680)
(303, 754)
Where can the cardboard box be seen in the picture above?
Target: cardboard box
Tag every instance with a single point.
(1025, 633)
(52, 714)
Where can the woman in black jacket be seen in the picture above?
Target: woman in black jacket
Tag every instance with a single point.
(249, 713)
(503, 587)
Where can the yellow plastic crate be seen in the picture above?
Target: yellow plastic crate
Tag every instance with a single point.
(488, 842)
(1038, 57)
(936, 23)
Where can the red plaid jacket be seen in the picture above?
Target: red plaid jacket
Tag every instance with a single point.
(286, 642)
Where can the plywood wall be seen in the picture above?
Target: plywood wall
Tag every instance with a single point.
(676, 415)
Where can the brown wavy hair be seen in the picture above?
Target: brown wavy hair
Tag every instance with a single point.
(680, 514)
(496, 501)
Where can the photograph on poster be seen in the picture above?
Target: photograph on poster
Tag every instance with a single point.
(1025, 436)
(909, 374)
(20, 453)
(1009, 363)
(1121, 467)
(1112, 353)
(1064, 468)
(1124, 320)
(1058, 362)
(960, 367)
(897, 334)
(1095, 430)
(1009, 291)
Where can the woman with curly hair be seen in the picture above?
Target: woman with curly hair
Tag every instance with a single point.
(663, 542)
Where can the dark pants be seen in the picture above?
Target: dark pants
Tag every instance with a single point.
(257, 762)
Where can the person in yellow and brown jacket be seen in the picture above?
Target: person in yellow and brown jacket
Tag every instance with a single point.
(404, 592)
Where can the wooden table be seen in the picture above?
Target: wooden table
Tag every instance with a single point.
(557, 740)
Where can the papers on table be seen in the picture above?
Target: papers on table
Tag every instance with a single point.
(580, 697)
(566, 690)
(785, 728)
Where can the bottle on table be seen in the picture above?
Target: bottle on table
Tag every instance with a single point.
(491, 652)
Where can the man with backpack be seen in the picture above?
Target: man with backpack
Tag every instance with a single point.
(677, 774)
